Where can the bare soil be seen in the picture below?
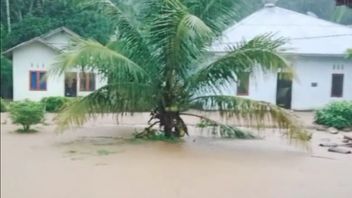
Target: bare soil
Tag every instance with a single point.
(97, 161)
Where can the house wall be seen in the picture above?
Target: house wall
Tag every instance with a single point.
(35, 56)
(319, 70)
(38, 57)
(308, 70)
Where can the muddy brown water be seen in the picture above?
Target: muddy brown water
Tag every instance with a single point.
(94, 162)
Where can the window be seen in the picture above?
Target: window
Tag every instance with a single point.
(37, 80)
(243, 84)
(87, 81)
(337, 85)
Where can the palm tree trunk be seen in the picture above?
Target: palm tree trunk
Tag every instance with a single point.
(26, 128)
(173, 124)
(166, 121)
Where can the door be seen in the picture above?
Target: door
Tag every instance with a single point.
(70, 84)
(284, 90)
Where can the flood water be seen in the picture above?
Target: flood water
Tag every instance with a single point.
(94, 162)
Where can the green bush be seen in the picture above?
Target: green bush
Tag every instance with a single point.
(26, 113)
(3, 105)
(336, 114)
(55, 103)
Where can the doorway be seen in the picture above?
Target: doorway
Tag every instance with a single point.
(70, 84)
(284, 90)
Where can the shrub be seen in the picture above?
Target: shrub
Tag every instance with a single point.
(3, 105)
(54, 104)
(336, 114)
(26, 113)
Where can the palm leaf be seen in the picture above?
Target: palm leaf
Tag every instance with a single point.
(131, 38)
(220, 129)
(258, 114)
(261, 53)
(178, 37)
(112, 98)
(217, 14)
(91, 55)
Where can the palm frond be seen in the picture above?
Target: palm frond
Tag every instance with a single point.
(258, 114)
(112, 98)
(91, 55)
(192, 35)
(220, 129)
(261, 53)
(131, 36)
(178, 36)
(217, 14)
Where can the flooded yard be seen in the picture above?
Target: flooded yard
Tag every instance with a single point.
(97, 161)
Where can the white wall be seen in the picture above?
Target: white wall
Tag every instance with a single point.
(319, 70)
(262, 86)
(35, 56)
(308, 70)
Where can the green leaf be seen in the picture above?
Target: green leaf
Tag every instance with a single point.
(258, 114)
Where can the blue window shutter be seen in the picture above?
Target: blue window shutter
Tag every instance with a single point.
(33, 80)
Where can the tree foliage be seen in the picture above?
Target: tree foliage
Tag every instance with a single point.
(31, 18)
(54, 103)
(336, 114)
(5, 68)
(26, 113)
(325, 9)
(160, 62)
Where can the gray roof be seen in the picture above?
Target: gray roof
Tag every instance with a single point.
(60, 29)
(42, 39)
(306, 34)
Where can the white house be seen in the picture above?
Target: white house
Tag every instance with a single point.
(31, 61)
(316, 49)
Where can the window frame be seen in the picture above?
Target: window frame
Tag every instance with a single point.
(238, 84)
(87, 81)
(332, 85)
(37, 88)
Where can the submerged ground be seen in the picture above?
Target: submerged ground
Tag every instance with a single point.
(94, 162)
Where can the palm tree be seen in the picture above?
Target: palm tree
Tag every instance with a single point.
(160, 62)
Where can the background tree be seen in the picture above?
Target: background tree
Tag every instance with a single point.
(6, 69)
(325, 9)
(344, 2)
(160, 62)
(31, 18)
(26, 113)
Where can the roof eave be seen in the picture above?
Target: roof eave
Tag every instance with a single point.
(44, 36)
(36, 39)
(57, 30)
